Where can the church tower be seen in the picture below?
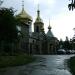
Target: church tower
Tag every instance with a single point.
(38, 24)
(25, 19)
(25, 25)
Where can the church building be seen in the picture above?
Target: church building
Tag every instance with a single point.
(36, 42)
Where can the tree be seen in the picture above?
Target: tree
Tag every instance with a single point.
(61, 43)
(71, 6)
(66, 44)
(8, 26)
(8, 23)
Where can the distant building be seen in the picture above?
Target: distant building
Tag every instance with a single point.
(36, 42)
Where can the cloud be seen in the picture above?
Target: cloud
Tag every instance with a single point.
(47, 2)
(62, 20)
(63, 24)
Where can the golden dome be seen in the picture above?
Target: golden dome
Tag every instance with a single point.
(38, 19)
(23, 14)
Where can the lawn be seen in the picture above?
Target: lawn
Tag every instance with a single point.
(71, 64)
(6, 61)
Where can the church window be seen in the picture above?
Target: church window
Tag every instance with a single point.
(37, 29)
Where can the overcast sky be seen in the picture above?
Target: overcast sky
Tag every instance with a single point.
(61, 19)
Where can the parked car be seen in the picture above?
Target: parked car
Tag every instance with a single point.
(73, 51)
(61, 51)
(68, 51)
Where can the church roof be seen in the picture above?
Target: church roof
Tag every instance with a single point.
(40, 35)
(49, 33)
(38, 19)
(23, 14)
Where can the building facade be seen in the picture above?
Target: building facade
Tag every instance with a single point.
(36, 42)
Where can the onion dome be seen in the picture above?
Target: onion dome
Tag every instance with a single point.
(23, 14)
(49, 27)
(49, 33)
(38, 19)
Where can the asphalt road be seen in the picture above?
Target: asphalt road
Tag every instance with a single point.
(45, 65)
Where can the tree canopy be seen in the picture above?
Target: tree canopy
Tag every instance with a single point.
(8, 29)
(71, 6)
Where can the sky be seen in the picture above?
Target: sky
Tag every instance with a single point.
(61, 19)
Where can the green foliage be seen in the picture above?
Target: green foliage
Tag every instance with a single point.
(8, 29)
(71, 6)
(6, 61)
(67, 44)
(71, 64)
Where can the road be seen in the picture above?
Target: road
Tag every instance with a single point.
(44, 65)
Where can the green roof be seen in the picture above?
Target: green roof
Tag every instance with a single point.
(50, 34)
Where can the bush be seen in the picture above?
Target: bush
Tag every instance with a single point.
(6, 61)
(71, 64)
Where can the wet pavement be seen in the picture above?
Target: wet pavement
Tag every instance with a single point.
(44, 65)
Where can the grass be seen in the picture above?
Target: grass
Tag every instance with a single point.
(7, 61)
(71, 65)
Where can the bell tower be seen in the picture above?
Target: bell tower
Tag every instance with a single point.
(38, 24)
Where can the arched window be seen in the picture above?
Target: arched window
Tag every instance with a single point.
(37, 29)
